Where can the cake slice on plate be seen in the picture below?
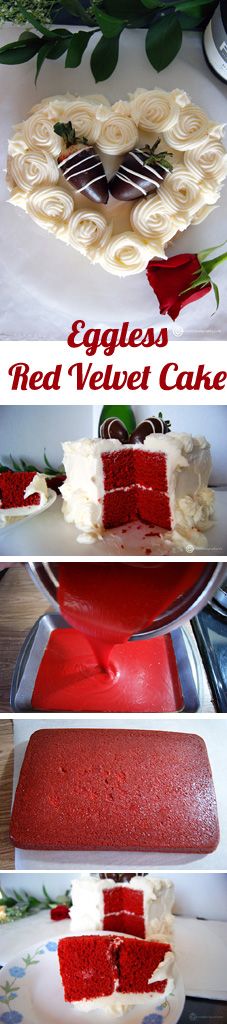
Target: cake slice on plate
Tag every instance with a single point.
(114, 971)
(22, 489)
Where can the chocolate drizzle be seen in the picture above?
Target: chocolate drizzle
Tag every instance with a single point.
(152, 425)
(114, 428)
(142, 172)
(81, 166)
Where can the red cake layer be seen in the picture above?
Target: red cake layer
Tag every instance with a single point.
(153, 508)
(96, 966)
(135, 485)
(12, 489)
(123, 911)
(105, 789)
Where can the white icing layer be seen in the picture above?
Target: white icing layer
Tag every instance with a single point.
(38, 486)
(138, 230)
(188, 466)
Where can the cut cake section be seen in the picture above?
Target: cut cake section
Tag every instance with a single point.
(139, 906)
(22, 489)
(96, 968)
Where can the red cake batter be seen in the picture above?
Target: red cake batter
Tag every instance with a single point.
(103, 789)
(93, 966)
(111, 602)
(143, 676)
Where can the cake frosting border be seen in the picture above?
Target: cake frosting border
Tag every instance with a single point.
(187, 196)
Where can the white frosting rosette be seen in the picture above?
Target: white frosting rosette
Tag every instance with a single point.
(33, 168)
(208, 160)
(51, 207)
(125, 254)
(181, 194)
(38, 133)
(89, 232)
(82, 115)
(153, 110)
(143, 227)
(192, 128)
(118, 134)
(152, 220)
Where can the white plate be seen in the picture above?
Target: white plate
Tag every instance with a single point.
(31, 993)
(22, 513)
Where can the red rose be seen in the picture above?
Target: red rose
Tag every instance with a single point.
(57, 913)
(170, 278)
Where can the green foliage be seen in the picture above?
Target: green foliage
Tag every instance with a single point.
(164, 23)
(22, 903)
(10, 11)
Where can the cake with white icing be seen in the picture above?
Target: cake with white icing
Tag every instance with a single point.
(22, 489)
(162, 481)
(116, 215)
(139, 906)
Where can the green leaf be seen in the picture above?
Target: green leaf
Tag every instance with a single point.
(57, 48)
(104, 58)
(210, 265)
(16, 465)
(153, 4)
(76, 48)
(206, 252)
(43, 53)
(163, 40)
(109, 26)
(19, 52)
(217, 296)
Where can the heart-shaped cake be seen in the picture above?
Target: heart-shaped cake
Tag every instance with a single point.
(117, 182)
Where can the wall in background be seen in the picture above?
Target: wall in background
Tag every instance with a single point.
(197, 895)
(27, 431)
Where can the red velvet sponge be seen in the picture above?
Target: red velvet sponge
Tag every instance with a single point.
(103, 789)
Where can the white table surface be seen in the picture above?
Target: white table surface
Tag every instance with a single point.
(50, 284)
(49, 534)
(201, 948)
(214, 734)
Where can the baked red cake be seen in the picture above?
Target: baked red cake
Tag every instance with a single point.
(100, 967)
(22, 489)
(107, 789)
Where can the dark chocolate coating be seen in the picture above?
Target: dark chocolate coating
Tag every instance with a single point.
(84, 170)
(135, 179)
(114, 428)
(153, 425)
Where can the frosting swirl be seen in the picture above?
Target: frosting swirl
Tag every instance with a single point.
(33, 168)
(118, 134)
(181, 193)
(89, 231)
(125, 254)
(207, 160)
(154, 221)
(51, 207)
(192, 128)
(39, 132)
(83, 117)
(153, 110)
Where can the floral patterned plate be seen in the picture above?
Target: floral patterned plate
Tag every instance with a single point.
(31, 993)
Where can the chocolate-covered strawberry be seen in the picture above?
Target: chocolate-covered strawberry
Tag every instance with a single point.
(114, 428)
(141, 172)
(81, 166)
(152, 425)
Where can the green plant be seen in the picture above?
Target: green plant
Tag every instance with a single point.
(21, 466)
(164, 22)
(10, 11)
(19, 904)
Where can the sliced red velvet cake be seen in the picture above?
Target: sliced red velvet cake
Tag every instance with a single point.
(139, 906)
(102, 789)
(114, 969)
(22, 489)
(162, 482)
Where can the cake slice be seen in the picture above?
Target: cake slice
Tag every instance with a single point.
(22, 489)
(162, 481)
(115, 789)
(139, 906)
(109, 971)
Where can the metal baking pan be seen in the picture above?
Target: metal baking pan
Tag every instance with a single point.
(33, 648)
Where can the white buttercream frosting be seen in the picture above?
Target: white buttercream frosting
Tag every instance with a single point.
(139, 230)
(38, 486)
(188, 468)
